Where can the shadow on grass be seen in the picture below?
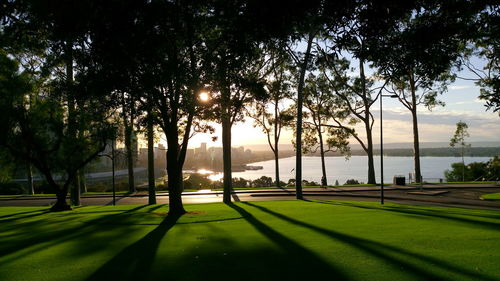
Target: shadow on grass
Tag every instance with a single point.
(387, 253)
(21, 213)
(422, 212)
(42, 233)
(134, 262)
(27, 215)
(302, 263)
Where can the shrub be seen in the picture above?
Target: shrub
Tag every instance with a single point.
(351, 181)
(11, 188)
(474, 171)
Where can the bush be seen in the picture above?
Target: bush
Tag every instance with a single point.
(197, 181)
(11, 188)
(263, 182)
(476, 171)
(309, 183)
(351, 181)
(44, 188)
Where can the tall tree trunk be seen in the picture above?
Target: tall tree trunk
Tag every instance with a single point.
(72, 131)
(60, 204)
(276, 141)
(368, 129)
(29, 175)
(226, 157)
(61, 192)
(300, 101)
(128, 147)
(416, 141)
(174, 178)
(369, 152)
(277, 166)
(463, 161)
(416, 147)
(324, 181)
(151, 162)
(75, 191)
(82, 183)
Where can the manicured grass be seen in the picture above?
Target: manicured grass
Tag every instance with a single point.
(459, 182)
(491, 196)
(278, 240)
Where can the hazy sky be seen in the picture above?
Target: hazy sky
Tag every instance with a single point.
(434, 126)
(438, 125)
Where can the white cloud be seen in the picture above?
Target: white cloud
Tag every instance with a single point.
(459, 87)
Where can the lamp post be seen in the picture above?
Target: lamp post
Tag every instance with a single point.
(382, 150)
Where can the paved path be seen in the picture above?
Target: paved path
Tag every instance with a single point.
(456, 195)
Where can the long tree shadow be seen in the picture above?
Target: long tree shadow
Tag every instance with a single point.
(453, 211)
(298, 256)
(135, 261)
(21, 213)
(38, 239)
(380, 250)
(27, 215)
(420, 212)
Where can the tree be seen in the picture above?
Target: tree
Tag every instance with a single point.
(130, 139)
(321, 105)
(271, 115)
(356, 95)
(151, 157)
(304, 64)
(64, 116)
(459, 138)
(165, 80)
(475, 171)
(38, 132)
(485, 28)
(420, 70)
(235, 63)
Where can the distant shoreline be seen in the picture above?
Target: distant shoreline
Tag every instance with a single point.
(426, 152)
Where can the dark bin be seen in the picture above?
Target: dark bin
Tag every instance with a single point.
(399, 180)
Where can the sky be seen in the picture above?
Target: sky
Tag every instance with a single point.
(438, 125)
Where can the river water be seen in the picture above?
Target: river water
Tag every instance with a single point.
(338, 168)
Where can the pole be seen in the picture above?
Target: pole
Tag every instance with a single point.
(381, 157)
(113, 169)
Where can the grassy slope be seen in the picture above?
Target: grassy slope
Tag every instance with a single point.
(491, 196)
(251, 241)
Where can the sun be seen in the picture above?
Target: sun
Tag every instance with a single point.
(203, 96)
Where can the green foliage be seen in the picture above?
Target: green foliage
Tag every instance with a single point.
(351, 181)
(322, 118)
(11, 188)
(460, 134)
(486, 46)
(476, 171)
(263, 182)
(198, 181)
(7, 165)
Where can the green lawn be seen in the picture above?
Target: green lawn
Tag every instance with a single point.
(279, 240)
(491, 196)
(459, 182)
